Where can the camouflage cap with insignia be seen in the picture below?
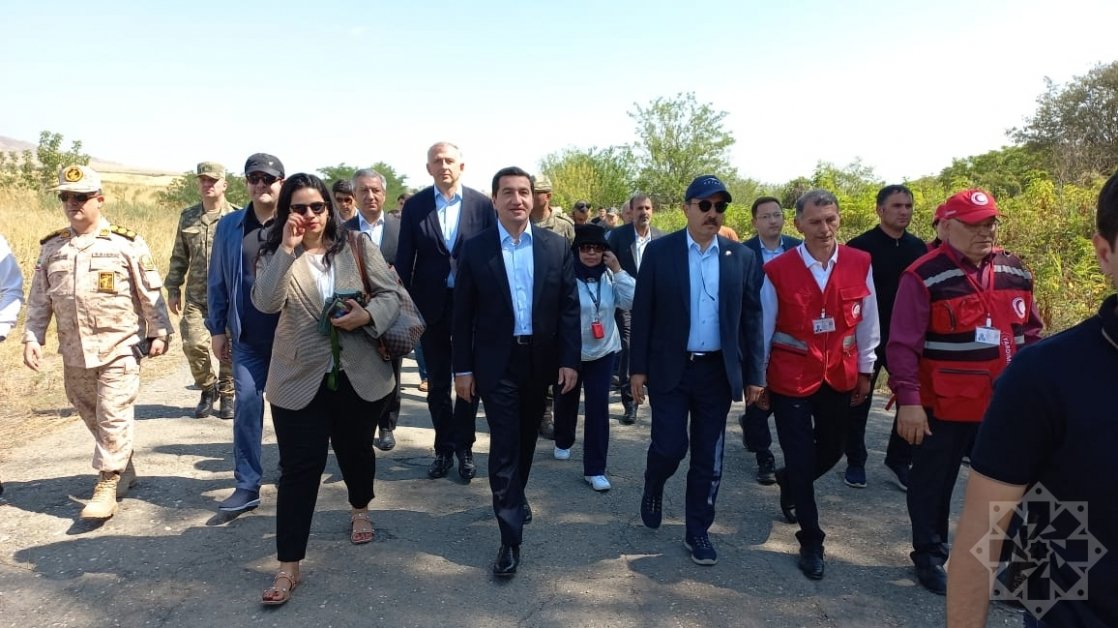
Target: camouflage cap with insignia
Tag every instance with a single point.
(76, 178)
(541, 183)
(210, 169)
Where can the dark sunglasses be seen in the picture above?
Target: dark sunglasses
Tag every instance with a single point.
(301, 209)
(720, 206)
(266, 179)
(66, 197)
(591, 248)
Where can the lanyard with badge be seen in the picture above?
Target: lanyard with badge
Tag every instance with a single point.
(987, 334)
(596, 328)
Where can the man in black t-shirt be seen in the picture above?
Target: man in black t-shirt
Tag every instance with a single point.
(1051, 428)
(892, 249)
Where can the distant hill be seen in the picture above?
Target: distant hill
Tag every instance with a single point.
(110, 171)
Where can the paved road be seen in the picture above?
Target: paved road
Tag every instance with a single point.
(166, 558)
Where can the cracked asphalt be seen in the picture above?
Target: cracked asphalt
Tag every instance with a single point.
(169, 559)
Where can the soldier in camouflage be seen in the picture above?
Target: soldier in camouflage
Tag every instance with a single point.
(545, 217)
(100, 284)
(190, 260)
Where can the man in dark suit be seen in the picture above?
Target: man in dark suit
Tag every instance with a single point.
(383, 229)
(768, 223)
(516, 331)
(697, 343)
(433, 225)
(630, 242)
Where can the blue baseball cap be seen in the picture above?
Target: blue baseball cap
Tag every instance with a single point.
(705, 186)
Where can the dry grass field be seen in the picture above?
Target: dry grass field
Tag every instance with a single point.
(30, 401)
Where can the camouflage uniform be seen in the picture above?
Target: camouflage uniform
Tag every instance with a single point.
(190, 260)
(103, 290)
(559, 223)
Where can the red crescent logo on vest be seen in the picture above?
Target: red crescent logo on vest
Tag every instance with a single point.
(1019, 307)
(857, 310)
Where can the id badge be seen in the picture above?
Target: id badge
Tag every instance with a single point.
(988, 336)
(823, 325)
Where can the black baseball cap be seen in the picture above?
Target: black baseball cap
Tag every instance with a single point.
(263, 162)
(706, 186)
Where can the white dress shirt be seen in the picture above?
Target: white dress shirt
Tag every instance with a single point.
(374, 230)
(640, 244)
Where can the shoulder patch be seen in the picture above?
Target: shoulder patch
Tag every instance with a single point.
(146, 263)
(123, 232)
(61, 233)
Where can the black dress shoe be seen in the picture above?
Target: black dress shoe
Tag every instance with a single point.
(932, 578)
(387, 441)
(811, 562)
(787, 506)
(630, 416)
(766, 470)
(527, 512)
(508, 557)
(466, 467)
(440, 467)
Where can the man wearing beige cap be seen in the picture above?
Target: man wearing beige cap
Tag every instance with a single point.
(100, 284)
(190, 261)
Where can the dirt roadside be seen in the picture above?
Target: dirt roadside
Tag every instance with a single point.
(167, 558)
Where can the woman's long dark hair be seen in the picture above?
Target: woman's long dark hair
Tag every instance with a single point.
(335, 231)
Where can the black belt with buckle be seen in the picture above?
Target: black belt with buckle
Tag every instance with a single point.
(698, 356)
(522, 340)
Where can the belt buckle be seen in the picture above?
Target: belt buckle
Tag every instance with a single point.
(523, 340)
(695, 355)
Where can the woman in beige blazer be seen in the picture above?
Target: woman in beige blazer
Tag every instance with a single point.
(321, 392)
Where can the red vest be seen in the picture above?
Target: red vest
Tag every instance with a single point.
(956, 372)
(801, 360)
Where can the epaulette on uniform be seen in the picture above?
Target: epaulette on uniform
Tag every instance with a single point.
(124, 232)
(61, 233)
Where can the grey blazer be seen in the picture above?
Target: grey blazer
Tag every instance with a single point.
(300, 354)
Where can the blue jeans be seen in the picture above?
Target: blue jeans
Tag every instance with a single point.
(420, 362)
(250, 372)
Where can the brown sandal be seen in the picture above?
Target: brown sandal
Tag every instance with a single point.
(276, 595)
(357, 537)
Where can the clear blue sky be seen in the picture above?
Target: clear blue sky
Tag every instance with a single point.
(903, 85)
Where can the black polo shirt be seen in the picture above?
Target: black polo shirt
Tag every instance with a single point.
(1053, 426)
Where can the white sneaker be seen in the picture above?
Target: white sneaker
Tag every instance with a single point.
(598, 482)
(562, 454)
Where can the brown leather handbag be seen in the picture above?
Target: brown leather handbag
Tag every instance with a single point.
(402, 335)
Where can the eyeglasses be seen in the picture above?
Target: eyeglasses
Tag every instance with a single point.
(66, 197)
(591, 248)
(266, 179)
(720, 206)
(301, 209)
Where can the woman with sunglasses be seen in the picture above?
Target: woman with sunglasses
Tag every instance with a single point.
(603, 288)
(326, 382)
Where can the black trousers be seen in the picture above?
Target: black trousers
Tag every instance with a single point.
(624, 320)
(898, 452)
(811, 431)
(454, 424)
(513, 409)
(935, 467)
(336, 417)
(391, 414)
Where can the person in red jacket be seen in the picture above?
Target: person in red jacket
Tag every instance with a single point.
(962, 312)
(821, 329)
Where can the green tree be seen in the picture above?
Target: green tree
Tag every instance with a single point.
(183, 192)
(1076, 125)
(679, 139)
(601, 176)
(1004, 172)
(38, 169)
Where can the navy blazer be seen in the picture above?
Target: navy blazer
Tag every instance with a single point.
(390, 236)
(422, 259)
(483, 316)
(662, 314)
(786, 241)
(623, 241)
